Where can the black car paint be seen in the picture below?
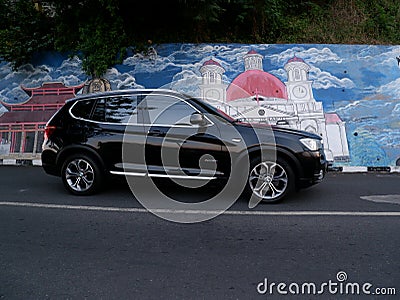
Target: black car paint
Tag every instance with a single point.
(103, 141)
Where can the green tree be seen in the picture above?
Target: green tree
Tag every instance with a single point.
(24, 31)
(382, 21)
(100, 31)
(92, 29)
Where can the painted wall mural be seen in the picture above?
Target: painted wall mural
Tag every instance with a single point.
(349, 94)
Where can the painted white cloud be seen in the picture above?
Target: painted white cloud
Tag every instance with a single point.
(391, 88)
(141, 64)
(232, 60)
(280, 73)
(69, 80)
(325, 80)
(383, 59)
(177, 59)
(69, 73)
(198, 52)
(187, 82)
(5, 69)
(25, 73)
(121, 81)
(314, 55)
(396, 110)
(14, 94)
(71, 66)
(373, 52)
(311, 55)
(37, 80)
(191, 57)
(321, 79)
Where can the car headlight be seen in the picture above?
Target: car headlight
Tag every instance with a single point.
(311, 144)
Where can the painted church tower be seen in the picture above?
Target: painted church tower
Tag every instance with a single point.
(253, 61)
(298, 85)
(212, 87)
(310, 113)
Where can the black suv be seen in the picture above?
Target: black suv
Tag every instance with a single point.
(166, 134)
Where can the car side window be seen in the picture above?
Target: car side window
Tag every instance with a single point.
(120, 110)
(99, 111)
(83, 109)
(167, 110)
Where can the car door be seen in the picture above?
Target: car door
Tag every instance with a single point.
(120, 133)
(175, 146)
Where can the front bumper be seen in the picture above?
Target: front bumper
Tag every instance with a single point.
(314, 168)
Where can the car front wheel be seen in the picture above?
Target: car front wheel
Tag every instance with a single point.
(270, 181)
(81, 175)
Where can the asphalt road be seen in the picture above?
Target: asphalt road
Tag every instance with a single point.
(336, 236)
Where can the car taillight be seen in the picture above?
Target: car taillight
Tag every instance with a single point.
(48, 131)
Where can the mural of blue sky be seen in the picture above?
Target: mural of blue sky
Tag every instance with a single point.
(361, 83)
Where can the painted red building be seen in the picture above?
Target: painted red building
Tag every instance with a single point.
(22, 126)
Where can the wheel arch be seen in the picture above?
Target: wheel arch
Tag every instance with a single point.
(281, 152)
(79, 149)
(293, 162)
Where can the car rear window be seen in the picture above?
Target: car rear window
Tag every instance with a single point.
(83, 109)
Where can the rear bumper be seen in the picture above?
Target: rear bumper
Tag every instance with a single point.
(49, 164)
(51, 170)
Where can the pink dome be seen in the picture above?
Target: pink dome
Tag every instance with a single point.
(252, 51)
(295, 59)
(211, 62)
(254, 82)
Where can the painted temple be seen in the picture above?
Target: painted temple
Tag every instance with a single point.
(22, 126)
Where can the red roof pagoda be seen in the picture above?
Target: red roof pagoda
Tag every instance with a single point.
(27, 119)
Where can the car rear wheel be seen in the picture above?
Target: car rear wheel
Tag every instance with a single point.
(270, 181)
(81, 175)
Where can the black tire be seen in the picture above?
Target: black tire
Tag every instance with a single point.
(81, 175)
(270, 181)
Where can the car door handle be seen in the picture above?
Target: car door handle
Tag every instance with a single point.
(156, 132)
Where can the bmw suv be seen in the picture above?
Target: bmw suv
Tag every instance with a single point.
(166, 134)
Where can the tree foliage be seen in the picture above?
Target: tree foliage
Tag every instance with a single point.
(100, 31)
(23, 31)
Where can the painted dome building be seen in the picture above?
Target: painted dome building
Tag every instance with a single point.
(255, 82)
(258, 96)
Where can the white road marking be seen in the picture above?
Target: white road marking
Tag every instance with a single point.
(393, 199)
(229, 212)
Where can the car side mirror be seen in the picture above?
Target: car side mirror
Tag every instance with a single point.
(197, 119)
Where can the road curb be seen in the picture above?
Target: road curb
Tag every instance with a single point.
(364, 169)
(20, 162)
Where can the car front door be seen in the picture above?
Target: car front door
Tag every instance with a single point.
(176, 145)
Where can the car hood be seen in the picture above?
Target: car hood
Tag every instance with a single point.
(301, 133)
(296, 132)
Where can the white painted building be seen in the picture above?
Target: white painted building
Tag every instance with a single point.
(259, 96)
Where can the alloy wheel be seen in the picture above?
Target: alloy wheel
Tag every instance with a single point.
(268, 180)
(79, 175)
